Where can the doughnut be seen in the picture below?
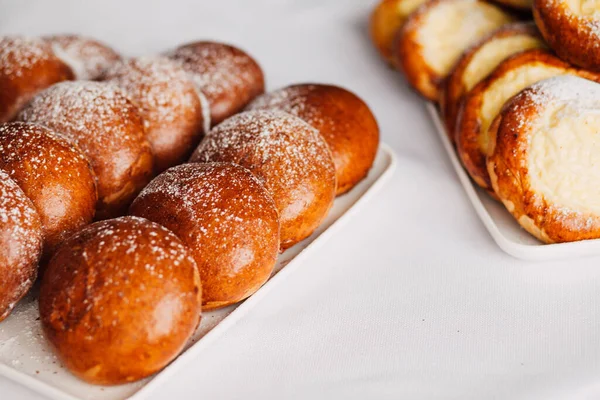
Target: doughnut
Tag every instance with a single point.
(54, 175)
(168, 103)
(480, 60)
(20, 244)
(483, 103)
(27, 66)
(228, 77)
(87, 57)
(434, 37)
(119, 300)
(107, 127)
(288, 156)
(544, 160)
(386, 19)
(343, 119)
(226, 218)
(571, 28)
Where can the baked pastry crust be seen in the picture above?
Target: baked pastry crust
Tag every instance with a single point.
(571, 28)
(484, 102)
(479, 61)
(343, 119)
(433, 38)
(385, 21)
(544, 158)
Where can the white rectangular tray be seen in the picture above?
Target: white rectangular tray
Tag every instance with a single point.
(507, 233)
(25, 356)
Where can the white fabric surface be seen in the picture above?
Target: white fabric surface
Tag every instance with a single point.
(413, 299)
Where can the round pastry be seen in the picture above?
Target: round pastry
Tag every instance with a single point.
(27, 66)
(87, 57)
(343, 119)
(571, 29)
(386, 20)
(544, 160)
(119, 300)
(227, 219)
(54, 175)
(20, 244)
(480, 60)
(433, 38)
(226, 75)
(168, 102)
(99, 118)
(483, 103)
(288, 156)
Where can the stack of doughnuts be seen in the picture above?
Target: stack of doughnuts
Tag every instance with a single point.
(515, 97)
(136, 215)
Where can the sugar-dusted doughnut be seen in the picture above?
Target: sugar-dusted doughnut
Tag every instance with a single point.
(27, 66)
(544, 159)
(343, 119)
(109, 130)
(119, 300)
(482, 104)
(480, 60)
(54, 174)
(288, 156)
(433, 38)
(228, 220)
(20, 244)
(87, 57)
(228, 77)
(168, 102)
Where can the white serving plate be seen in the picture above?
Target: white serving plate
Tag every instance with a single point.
(25, 356)
(507, 233)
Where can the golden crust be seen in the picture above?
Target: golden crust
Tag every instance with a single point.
(226, 218)
(343, 119)
(455, 87)
(119, 300)
(414, 44)
(66, 201)
(575, 37)
(509, 168)
(385, 21)
(471, 140)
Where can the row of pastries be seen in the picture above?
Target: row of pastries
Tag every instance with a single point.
(143, 191)
(518, 98)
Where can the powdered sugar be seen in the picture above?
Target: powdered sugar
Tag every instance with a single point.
(19, 54)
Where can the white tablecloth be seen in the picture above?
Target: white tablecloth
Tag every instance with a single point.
(413, 299)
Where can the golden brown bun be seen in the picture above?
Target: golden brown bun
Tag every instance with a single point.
(386, 20)
(168, 103)
(227, 219)
(99, 118)
(87, 57)
(483, 103)
(288, 156)
(433, 38)
(544, 159)
(343, 119)
(480, 60)
(519, 5)
(20, 244)
(119, 300)
(54, 175)
(27, 66)
(226, 75)
(572, 34)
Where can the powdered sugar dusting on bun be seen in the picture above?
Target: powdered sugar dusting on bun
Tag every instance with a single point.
(87, 57)
(168, 102)
(107, 127)
(287, 155)
(20, 244)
